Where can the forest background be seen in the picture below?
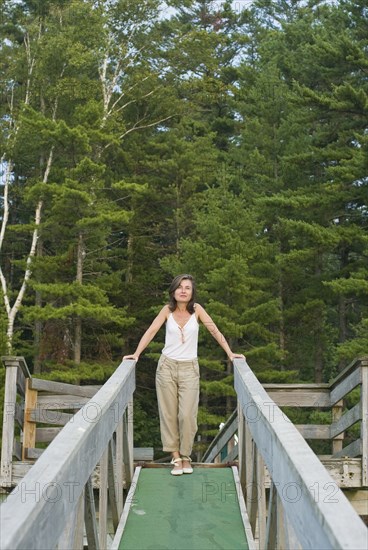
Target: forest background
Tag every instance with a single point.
(224, 139)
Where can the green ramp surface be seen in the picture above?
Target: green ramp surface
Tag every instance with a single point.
(198, 511)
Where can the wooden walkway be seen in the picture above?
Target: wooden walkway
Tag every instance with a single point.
(197, 511)
(84, 490)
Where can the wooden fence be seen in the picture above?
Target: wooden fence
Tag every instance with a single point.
(53, 505)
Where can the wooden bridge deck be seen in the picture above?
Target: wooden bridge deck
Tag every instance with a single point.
(74, 494)
(203, 510)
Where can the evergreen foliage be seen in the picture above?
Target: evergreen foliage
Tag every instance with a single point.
(220, 139)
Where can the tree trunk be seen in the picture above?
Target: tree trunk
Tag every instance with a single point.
(319, 327)
(342, 309)
(282, 338)
(38, 326)
(318, 365)
(78, 320)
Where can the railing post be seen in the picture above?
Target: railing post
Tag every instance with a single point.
(317, 523)
(241, 450)
(271, 528)
(10, 399)
(72, 536)
(112, 487)
(337, 442)
(29, 430)
(261, 496)
(119, 466)
(128, 443)
(102, 508)
(364, 423)
(90, 517)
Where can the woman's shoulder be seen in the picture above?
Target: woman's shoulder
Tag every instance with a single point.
(197, 310)
(165, 310)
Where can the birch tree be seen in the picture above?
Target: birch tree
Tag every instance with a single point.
(17, 102)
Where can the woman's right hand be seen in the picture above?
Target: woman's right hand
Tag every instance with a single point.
(134, 357)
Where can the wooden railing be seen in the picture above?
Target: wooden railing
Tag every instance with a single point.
(345, 454)
(54, 503)
(306, 508)
(224, 447)
(332, 397)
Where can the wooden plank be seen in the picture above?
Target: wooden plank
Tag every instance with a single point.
(359, 500)
(16, 361)
(143, 453)
(59, 402)
(252, 490)
(241, 449)
(29, 429)
(112, 487)
(289, 387)
(45, 435)
(249, 463)
(233, 454)
(66, 465)
(345, 472)
(220, 440)
(346, 420)
(243, 510)
(364, 424)
(271, 528)
(123, 519)
(17, 449)
(10, 397)
(21, 382)
(345, 386)
(281, 526)
(44, 416)
(72, 536)
(19, 414)
(119, 467)
(90, 517)
(354, 365)
(337, 443)
(352, 450)
(299, 395)
(294, 468)
(128, 443)
(261, 490)
(102, 508)
(63, 388)
(19, 470)
(314, 431)
(32, 453)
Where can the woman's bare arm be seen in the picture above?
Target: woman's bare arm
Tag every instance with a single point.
(218, 336)
(150, 333)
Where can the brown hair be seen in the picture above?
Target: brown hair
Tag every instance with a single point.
(174, 285)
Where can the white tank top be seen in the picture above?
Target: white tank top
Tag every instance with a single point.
(181, 344)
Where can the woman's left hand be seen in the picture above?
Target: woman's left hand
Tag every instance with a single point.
(236, 356)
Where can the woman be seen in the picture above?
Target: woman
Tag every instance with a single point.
(177, 375)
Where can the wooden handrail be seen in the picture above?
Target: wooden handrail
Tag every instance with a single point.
(303, 485)
(221, 439)
(358, 361)
(35, 514)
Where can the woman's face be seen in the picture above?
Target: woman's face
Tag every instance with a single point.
(184, 291)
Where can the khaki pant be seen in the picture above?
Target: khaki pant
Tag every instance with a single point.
(177, 385)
